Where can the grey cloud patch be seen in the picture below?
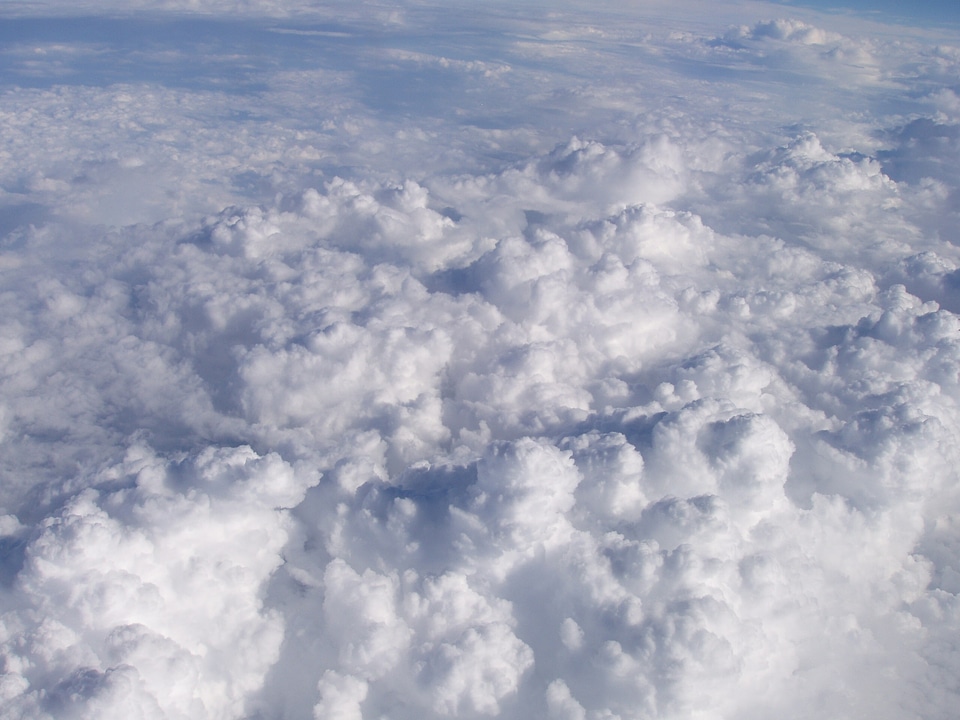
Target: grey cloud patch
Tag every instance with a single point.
(925, 149)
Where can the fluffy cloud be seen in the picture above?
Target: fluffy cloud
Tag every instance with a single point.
(145, 590)
(322, 400)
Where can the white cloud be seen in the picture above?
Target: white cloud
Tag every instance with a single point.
(787, 30)
(147, 595)
(615, 377)
(340, 697)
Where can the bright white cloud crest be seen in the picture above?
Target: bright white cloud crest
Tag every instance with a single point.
(582, 366)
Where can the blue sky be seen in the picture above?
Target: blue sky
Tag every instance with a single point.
(924, 12)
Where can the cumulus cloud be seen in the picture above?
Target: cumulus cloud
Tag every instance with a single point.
(320, 401)
(146, 589)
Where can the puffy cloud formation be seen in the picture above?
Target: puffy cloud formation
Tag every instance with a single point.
(401, 385)
(144, 589)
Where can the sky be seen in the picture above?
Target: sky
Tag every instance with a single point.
(926, 12)
(408, 360)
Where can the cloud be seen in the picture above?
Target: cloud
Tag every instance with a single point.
(146, 587)
(786, 30)
(319, 400)
(630, 502)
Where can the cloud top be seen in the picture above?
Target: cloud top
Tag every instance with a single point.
(321, 401)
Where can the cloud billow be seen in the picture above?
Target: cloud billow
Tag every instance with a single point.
(656, 421)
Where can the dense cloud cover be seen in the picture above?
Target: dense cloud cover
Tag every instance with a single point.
(414, 363)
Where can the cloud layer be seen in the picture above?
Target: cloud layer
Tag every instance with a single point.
(580, 389)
